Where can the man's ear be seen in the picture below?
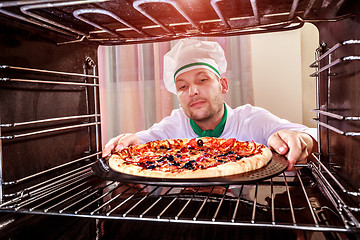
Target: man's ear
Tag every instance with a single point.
(224, 85)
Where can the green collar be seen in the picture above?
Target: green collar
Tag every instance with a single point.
(210, 133)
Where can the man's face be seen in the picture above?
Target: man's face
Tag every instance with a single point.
(200, 94)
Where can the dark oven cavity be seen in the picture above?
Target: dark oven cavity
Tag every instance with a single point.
(50, 125)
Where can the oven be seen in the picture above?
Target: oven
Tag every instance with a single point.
(50, 125)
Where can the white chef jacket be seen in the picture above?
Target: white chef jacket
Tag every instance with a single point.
(244, 123)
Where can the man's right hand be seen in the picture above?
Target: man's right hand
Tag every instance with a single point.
(120, 142)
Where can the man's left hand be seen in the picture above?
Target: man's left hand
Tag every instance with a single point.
(296, 146)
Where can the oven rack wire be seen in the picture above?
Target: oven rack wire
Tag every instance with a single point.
(10, 131)
(80, 193)
(94, 84)
(332, 63)
(320, 55)
(79, 20)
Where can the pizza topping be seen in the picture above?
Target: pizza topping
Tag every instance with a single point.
(189, 165)
(203, 158)
(200, 142)
(228, 144)
(183, 150)
(175, 164)
(152, 166)
(196, 154)
(254, 147)
(192, 144)
(181, 157)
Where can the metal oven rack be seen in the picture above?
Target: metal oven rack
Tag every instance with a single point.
(332, 63)
(300, 200)
(334, 116)
(37, 128)
(142, 21)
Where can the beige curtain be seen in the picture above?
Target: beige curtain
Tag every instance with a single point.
(133, 95)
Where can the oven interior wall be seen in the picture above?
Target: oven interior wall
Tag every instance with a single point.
(23, 101)
(339, 93)
(22, 46)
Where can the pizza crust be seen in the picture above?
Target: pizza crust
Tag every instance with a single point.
(246, 164)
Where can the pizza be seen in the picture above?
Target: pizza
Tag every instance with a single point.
(204, 157)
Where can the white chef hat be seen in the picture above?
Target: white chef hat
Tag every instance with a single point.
(189, 54)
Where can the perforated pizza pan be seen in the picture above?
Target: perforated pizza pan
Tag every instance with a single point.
(277, 165)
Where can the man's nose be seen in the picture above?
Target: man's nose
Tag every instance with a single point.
(193, 90)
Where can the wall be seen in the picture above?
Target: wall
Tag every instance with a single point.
(280, 68)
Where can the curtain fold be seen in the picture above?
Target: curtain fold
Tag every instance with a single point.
(133, 96)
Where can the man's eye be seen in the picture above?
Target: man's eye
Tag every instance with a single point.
(203, 80)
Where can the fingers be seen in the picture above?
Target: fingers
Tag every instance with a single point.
(119, 142)
(110, 146)
(280, 142)
(298, 151)
(275, 142)
(296, 146)
(126, 140)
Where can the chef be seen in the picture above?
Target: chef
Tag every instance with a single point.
(193, 71)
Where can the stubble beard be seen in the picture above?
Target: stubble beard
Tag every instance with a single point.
(211, 111)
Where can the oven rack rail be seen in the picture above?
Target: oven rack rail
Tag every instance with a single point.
(316, 74)
(45, 71)
(95, 85)
(47, 171)
(255, 20)
(336, 117)
(82, 194)
(331, 50)
(332, 63)
(319, 56)
(14, 130)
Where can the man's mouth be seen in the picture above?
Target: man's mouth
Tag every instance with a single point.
(197, 103)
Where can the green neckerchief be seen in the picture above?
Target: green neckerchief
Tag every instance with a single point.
(210, 133)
